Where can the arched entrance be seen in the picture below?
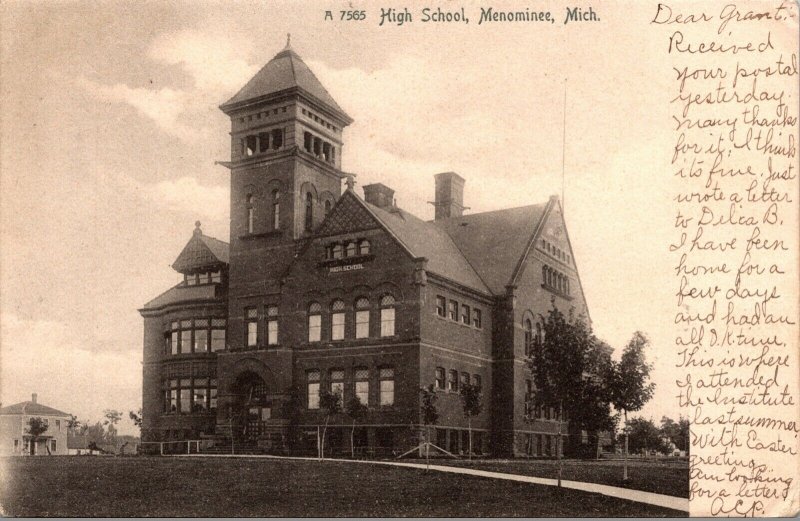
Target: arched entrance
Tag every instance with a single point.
(252, 406)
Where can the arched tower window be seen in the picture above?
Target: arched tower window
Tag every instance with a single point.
(528, 325)
(309, 211)
(327, 207)
(276, 209)
(250, 213)
(539, 338)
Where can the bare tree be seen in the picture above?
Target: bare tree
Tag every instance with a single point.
(471, 402)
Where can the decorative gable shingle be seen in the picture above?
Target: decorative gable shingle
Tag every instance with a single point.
(347, 216)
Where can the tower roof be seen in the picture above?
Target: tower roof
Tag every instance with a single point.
(282, 74)
(201, 252)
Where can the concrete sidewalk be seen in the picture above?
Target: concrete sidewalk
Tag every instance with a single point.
(650, 498)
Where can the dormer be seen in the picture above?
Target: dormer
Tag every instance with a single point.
(204, 260)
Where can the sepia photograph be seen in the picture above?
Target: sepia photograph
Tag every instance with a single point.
(340, 259)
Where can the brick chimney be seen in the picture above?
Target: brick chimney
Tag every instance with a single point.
(34, 396)
(379, 194)
(449, 195)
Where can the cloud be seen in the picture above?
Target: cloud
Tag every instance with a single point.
(44, 357)
(214, 61)
(163, 106)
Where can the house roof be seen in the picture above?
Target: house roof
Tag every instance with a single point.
(201, 252)
(284, 72)
(31, 409)
(494, 242)
(423, 239)
(182, 293)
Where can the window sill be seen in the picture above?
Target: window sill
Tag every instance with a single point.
(261, 235)
(457, 322)
(355, 259)
(561, 294)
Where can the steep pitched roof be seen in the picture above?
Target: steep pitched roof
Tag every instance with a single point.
(285, 71)
(201, 252)
(494, 242)
(32, 409)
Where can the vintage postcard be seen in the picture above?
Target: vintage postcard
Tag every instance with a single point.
(399, 259)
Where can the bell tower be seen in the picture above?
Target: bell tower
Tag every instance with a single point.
(285, 165)
(286, 144)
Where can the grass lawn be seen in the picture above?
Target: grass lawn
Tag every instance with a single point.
(662, 477)
(71, 486)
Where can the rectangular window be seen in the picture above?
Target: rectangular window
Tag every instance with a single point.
(201, 336)
(476, 318)
(440, 378)
(452, 381)
(337, 382)
(441, 306)
(387, 386)
(337, 326)
(191, 280)
(212, 395)
(272, 325)
(186, 336)
(452, 310)
(174, 342)
(173, 396)
(465, 314)
(216, 277)
(217, 339)
(314, 328)
(476, 380)
(362, 324)
(58, 425)
(362, 385)
(387, 322)
(313, 389)
(186, 395)
(464, 379)
(251, 316)
(200, 395)
(52, 445)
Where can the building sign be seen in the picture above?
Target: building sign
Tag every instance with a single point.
(347, 267)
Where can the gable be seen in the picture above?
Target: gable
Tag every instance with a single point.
(494, 242)
(347, 216)
(553, 249)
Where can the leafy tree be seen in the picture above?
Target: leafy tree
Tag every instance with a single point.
(429, 416)
(136, 418)
(95, 433)
(332, 404)
(564, 364)
(629, 383)
(676, 432)
(645, 436)
(471, 402)
(112, 418)
(357, 411)
(36, 427)
(73, 425)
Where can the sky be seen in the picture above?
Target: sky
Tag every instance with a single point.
(110, 130)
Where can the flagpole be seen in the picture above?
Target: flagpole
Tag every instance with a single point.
(563, 148)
